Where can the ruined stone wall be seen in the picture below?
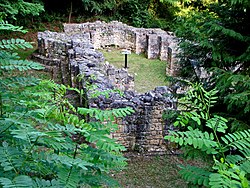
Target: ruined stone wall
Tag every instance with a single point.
(153, 42)
(68, 55)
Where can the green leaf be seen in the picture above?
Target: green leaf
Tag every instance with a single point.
(19, 181)
(197, 120)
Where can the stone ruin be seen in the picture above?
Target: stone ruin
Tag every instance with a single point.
(154, 43)
(72, 53)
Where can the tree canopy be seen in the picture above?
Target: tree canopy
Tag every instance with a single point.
(215, 35)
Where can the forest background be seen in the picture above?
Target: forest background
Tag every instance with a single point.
(213, 34)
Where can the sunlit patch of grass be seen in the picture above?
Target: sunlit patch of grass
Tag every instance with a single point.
(148, 73)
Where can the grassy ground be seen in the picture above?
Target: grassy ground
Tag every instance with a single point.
(156, 171)
(151, 172)
(148, 73)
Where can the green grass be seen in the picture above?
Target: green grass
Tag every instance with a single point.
(157, 172)
(148, 73)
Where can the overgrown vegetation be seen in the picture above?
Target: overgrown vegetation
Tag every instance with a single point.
(214, 35)
(204, 133)
(139, 13)
(45, 140)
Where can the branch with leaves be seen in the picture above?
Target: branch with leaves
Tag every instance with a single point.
(209, 134)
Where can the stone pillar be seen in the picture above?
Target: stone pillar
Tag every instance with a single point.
(129, 38)
(140, 42)
(172, 68)
(153, 46)
(163, 48)
(96, 38)
(143, 128)
(156, 128)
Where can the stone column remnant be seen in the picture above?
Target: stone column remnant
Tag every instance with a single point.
(153, 46)
(153, 42)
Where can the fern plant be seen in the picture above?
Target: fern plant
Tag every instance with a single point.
(208, 133)
(45, 141)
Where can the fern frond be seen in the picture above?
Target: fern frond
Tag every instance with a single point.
(26, 8)
(13, 44)
(246, 152)
(10, 158)
(232, 177)
(70, 162)
(239, 140)
(21, 65)
(26, 132)
(103, 159)
(15, 82)
(242, 162)
(107, 114)
(245, 164)
(103, 142)
(56, 142)
(196, 138)
(19, 181)
(4, 25)
(46, 183)
(100, 180)
(68, 177)
(217, 123)
(8, 55)
(195, 175)
(219, 180)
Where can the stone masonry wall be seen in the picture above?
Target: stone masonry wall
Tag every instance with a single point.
(152, 42)
(69, 54)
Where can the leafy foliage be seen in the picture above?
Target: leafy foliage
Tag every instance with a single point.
(198, 176)
(4, 25)
(45, 140)
(214, 41)
(14, 44)
(208, 133)
(11, 9)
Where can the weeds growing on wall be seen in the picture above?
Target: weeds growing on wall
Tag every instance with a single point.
(207, 134)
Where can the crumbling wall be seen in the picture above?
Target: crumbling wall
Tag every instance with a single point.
(70, 54)
(152, 42)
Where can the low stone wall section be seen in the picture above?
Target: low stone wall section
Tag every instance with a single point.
(153, 42)
(69, 55)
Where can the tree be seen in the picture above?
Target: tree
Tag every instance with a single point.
(202, 132)
(44, 140)
(11, 9)
(215, 35)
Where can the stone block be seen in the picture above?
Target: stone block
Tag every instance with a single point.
(153, 46)
(163, 47)
(154, 142)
